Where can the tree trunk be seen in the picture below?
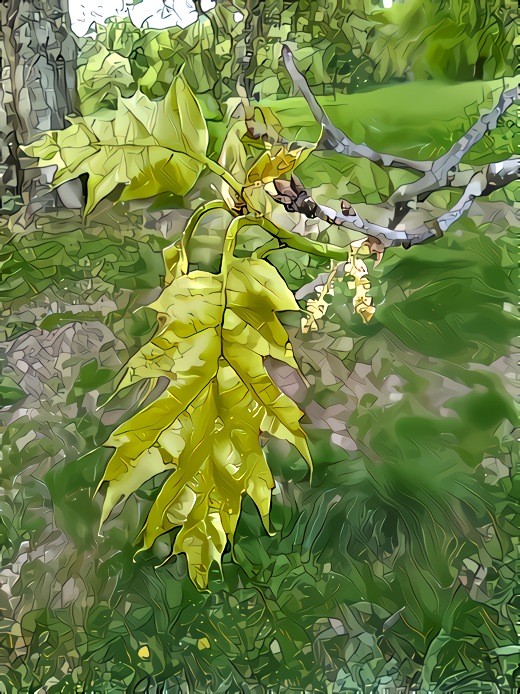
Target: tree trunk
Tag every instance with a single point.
(8, 147)
(245, 59)
(41, 56)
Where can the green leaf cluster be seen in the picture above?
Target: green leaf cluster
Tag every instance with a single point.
(342, 48)
(395, 569)
(103, 77)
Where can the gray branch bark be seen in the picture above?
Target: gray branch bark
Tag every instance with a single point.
(296, 198)
(445, 167)
(335, 139)
(442, 172)
(491, 178)
(482, 183)
(437, 173)
(252, 31)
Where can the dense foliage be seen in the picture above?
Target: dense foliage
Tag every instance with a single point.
(394, 566)
(343, 46)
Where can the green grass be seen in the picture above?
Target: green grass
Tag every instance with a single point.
(417, 119)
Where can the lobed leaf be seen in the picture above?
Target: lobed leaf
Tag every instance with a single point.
(149, 146)
(215, 335)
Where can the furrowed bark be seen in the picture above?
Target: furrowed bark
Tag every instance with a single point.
(41, 52)
(9, 174)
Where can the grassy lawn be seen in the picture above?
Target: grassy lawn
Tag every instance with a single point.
(416, 119)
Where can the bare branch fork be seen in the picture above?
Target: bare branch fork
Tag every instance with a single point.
(335, 139)
(295, 198)
(436, 174)
(482, 183)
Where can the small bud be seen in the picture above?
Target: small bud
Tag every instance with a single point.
(347, 209)
(297, 185)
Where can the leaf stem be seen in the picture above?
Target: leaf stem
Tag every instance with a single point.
(233, 229)
(266, 248)
(303, 243)
(192, 225)
(220, 171)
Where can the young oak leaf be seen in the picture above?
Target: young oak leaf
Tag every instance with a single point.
(233, 157)
(278, 160)
(149, 146)
(264, 125)
(215, 334)
(101, 79)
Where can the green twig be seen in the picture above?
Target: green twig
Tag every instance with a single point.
(303, 243)
(170, 253)
(266, 248)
